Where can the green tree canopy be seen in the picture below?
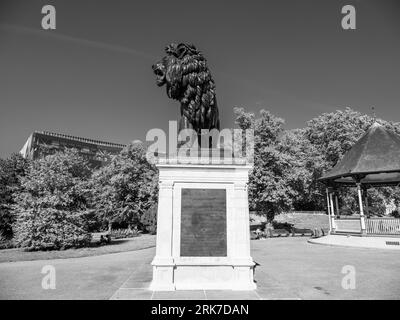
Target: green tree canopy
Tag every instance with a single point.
(53, 200)
(11, 171)
(126, 188)
(288, 163)
(269, 190)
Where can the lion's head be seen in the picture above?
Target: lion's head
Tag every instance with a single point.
(187, 78)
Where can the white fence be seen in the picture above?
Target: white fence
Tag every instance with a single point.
(384, 226)
(374, 226)
(348, 225)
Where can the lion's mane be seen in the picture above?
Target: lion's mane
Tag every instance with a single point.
(188, 80)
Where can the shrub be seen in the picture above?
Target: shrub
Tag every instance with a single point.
(6, 222)
(48, 229)
(91, 221)
(6, 243)
(149, 219)
(51, 206)
(11, 171)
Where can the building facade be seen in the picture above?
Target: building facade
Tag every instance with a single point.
(42, 143)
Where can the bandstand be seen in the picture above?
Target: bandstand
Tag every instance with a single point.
(373, 162)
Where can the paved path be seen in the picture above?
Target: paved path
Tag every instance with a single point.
(311, 271)
(96, 277)
(387, 243)
(290, 268)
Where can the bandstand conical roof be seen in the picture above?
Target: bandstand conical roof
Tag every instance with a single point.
(374, 159)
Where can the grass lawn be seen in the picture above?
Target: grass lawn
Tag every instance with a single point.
(304, 220)
(117, 245)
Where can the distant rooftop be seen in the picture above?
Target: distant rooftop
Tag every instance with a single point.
(31, 148)
(75, 138)
(374, 159)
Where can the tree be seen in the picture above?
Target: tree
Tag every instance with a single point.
(332, 135)
(12, 170)
(51, 206)
(126, 188)
(269, 189)
(288, 163)
(149, 219)
(306, 163)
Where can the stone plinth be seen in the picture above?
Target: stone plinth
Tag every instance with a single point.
(203, 235)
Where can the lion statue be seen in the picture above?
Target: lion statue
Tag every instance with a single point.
(185, 73)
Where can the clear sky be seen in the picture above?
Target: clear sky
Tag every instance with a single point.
(92, 76)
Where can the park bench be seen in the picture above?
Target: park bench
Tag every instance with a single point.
(101, 237)
(124, 233)
(301, 232)
(279, 232)
(255, 226)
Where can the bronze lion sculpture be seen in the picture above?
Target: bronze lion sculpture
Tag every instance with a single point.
(188, 80)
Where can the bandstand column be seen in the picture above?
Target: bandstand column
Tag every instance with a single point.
(329, 210)
(332, 211)
(362, 217)
(337, 203)
(366, 201)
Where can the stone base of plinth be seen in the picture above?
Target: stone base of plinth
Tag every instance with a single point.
(203, 275)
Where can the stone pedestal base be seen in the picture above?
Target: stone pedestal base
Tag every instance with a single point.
(194, 275)
(203, 235)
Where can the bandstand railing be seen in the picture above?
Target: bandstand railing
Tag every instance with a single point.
(348, 225)
(373, 226)
(383, 226)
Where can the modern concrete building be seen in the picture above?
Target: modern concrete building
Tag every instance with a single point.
(41, 143)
